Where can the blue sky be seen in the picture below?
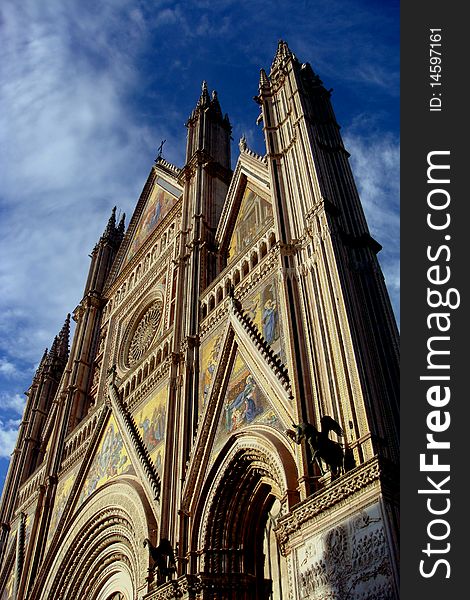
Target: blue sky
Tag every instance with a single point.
(89, 89)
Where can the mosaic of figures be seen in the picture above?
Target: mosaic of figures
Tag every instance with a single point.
(209, 355)
(111, 460)
(157, 207)
(151, 421)
(64, 488)
(262, 308)
(255, 213)
(347, 561)
(244, 404)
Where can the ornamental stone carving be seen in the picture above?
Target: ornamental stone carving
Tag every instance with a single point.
(142, 333)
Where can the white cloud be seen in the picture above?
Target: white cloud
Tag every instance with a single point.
(14, 404)
(375, 160)
(11, 408)
(71, 149)
(8, 435)
(7, 368)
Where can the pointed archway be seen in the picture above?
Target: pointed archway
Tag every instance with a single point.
(101, 553)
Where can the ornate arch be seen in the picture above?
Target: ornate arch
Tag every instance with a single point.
(255, 471)
(102, 552)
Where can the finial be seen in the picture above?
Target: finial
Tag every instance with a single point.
(64, 335)
(111, 226)
(263, 78)
(204, 100)
(242, 143)
(215, 105)
(40, 368)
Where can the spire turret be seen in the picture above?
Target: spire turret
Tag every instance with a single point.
(111, 226)
(64, 337)
(122, 226)
(204, 99)
(211, 106)
(42, 364)
(283, 53)
(58, 354)
(263, 79)
(112, 234)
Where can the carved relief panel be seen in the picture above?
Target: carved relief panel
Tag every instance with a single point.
(349, 561)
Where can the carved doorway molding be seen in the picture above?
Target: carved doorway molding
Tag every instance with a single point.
(119, 581)
(239, 554)
(102, 552)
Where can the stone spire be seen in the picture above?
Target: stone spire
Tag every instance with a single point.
(204, 99)
(263, 78)
(111, 226)
(211, 105)
(121, 227)
(283, 53)
(113, 235)
(64, 338)
(41, 367)
(59, 352)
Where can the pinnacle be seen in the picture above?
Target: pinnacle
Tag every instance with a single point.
(42, 364)
(60, 345)
(263, 78)
(210, 105)
(283, 52)
(204, 100)
(111, 226)
(64, 336)
(121, 226)
(215, 105)
(113, 234)
(53, 352)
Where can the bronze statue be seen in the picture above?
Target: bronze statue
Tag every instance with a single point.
(322, 448)
(163, 558)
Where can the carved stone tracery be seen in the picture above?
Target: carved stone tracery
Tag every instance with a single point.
(144, 333)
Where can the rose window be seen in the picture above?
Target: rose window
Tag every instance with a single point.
(144, 332)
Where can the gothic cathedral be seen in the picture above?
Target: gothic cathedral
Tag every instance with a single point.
(225, 423)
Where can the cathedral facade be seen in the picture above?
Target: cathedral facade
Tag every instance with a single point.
(225, 422)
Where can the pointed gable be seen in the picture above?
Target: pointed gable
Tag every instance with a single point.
(162, 191)
(248, 207)
(255, 213)
(163, 197)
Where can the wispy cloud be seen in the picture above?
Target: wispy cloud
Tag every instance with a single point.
(375, 160)
(11, 409)
(88, 89)
(67, 139)
(8, 433)
(14, 403)
(8, 369)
